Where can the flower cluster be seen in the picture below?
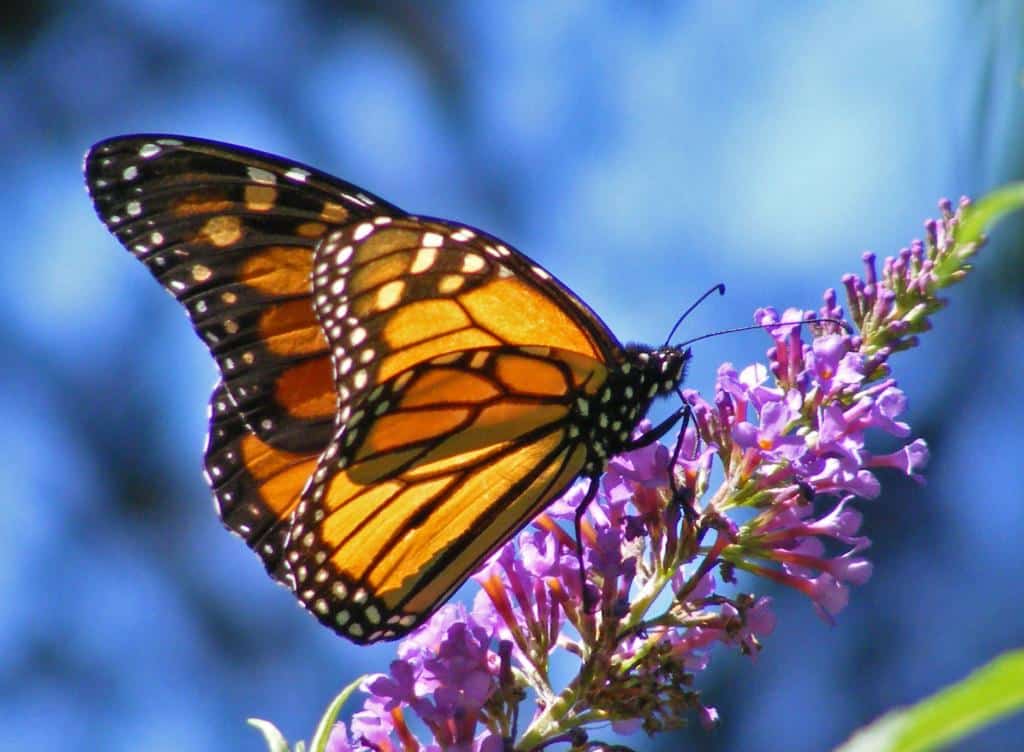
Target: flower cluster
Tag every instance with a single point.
(447, 678)
(662, 549)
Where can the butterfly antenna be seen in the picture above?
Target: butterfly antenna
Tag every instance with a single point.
(845, 327)
(721, 291)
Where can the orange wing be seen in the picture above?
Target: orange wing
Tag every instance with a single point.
(435, 469)
(392, 293)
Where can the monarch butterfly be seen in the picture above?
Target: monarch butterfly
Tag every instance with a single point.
(398, 395)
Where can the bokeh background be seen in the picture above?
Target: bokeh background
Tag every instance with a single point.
(642, 152)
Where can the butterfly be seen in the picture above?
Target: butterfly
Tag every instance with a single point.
(398, 394)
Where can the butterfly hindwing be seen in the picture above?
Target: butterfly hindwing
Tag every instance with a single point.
(230, 233)
(436, 468)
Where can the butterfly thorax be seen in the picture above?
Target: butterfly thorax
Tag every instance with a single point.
(611, 415)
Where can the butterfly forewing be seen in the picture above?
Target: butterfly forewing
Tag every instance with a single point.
(230, 233)
(255, 486)
(393, 293)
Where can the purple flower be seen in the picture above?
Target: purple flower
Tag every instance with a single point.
(755, 380)
(833, 366)
(464, 669)
(338, 741)
(488, 741)
(908, 460)
(647, 466)
(828, 595)
(837, 475)
(769, 439)
(538, 554)
(446, 675)
(884, 410)
(760, 619)
(372, 727)
(422, 642)
(397, 688)
(841, 523)
(606, 556)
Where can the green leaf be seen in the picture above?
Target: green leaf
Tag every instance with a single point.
(323, 729)
(983, 214)
(988, 694)
(275, 740)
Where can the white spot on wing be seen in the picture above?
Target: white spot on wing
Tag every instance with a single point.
(424, 259)
(472, 263)
(259, 175)
(389, 294)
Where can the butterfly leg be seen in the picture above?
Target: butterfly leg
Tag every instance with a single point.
(648, 438)
(577, 525)
(678, 449)
(682, 496)
(679, 495)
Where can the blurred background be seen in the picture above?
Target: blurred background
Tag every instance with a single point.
(642, 155)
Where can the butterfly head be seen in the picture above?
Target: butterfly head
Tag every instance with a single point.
(656, 371)
(611, 417)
